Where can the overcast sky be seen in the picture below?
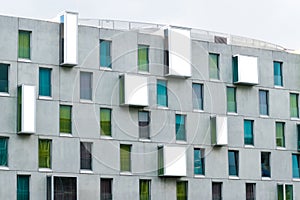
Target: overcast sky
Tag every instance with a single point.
(275, 21)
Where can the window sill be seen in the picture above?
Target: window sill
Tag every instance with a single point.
(181, 142)
(266, 178)
(197, 110)
(163, 107)
(199, 176)
(144, 140)
(4, 94)
(280, 148)
(106, 137)
(105, 68)
(232, 113)
(264, 116)
(24, 60)
(45, 170)
(85, 101)
(45, 98)
(234, 177)
(4, 168)
(214, 80)
(65, 135)
(86, 171)
(295, 119)
(278, 86)
(296, 179)
(126, 173)
(144, 72)
(249, 146)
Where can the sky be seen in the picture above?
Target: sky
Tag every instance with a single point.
(274, 21)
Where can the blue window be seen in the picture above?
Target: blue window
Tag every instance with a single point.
(180, 127)
(3, 151)
(162, 93)
(248, 132)
(86, 88)
(199, 163)
(105, 53)
(263, 102)
(295, 160)
(4, 77)
(23, 187)
(265, 164)
(233, 163)
(277, 73)
(45, 82)
(197, 96)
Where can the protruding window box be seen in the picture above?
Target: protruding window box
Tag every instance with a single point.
(26, 109)
(69, 39)
(172, 161)
(133, 90)
(219, 131)
(245, 70)
(178, 52)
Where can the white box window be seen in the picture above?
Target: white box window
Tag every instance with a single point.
(245, 70)
(219, 131)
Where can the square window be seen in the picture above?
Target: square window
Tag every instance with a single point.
(231, 99)
(65, 119)
(143, 58)
(4, 69)
(23, 189)
(277, 73)
(44, 153)
(263, 102)
(125, 158)
(45, 82)
(86, 85)
(86, 155)
(199, 162)
(65, 188)
(162, 93)
(248, 132)
(105, 53)
(105, 121)
(233, 163)
(197, 96)
(144, 121)
(24, 44)
(180, 127)
(145, 190)
(214, 66)
(265, 164)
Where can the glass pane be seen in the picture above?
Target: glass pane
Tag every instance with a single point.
(280, 192)
(233, 163)
(45, 82)
(162, 98)
(125, 158)
(3, 152)
(145, 193)
(4, 78)
(22, 187)
(288, 192)
(198, 162)
(106, 189)
(65, 188)
(143, 124)
(263, 102)
(105, 121)
(248, 132)
(181, 190)
(65, 119)
(231, 99)
(44, 154)
(197, 96)
(180, 127)
(294, 105)
(105, 53)
(143, 60)
(216, 191)
(85, 155)
(295, 160)
(265, 164)
(24, 44)
(277, 74)
(214, 66)
(250, 191)
(86, 85)
(280, 134)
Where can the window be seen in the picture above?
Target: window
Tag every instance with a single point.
(250, 191)
(231, 99)
(280, 142)
(86, 155)
(263, 102)
(45, 82)
(4, 77)
(44, 153)
(180, 127)
(265, 164)
(105, 121)
(23, 191)
(298, 137)
(106, 189)
(199, 162)
(294, 111)
(125, 158)
(3, 151)
(285, 192)
(162, 93)
(65, 188)
(296, 165)
(145, 189)
(248, 132)
(105, 53)
(24, 44)
(277, 73)
(216, 191)
(144, 122)
(197, 96)
(86, 85)
(65, 122)
(182, 190)
(233, 163)
(213, 66)
(143, 58)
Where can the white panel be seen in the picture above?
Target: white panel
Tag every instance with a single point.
(179, 41)
(28, 109)
(70, 38)
(219, 130)
(174, 161)
(247, 70)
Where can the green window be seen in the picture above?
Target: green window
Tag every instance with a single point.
(280, 134)
(248, 132)
(295, 162)
(182, 190)
(45, 154)
(23, 187)
(24, 44)
(213, 66)
(233, 162)
(294, 105)
(287, 189)
(277, 73)
(143, 58)
(4, 77)
(65, 119)
(105, 53)
(197, 96)
(199, 165)
(180, 127)
(162, 93)
(145, 189)
(231, 99)
(3, 151)
(105, 121)
(125, 158)
(45, 82)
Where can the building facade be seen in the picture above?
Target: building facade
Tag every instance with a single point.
(99, 109)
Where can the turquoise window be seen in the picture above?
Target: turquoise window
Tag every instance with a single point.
(45, 82)
(105, 53)
(295, 161)
(23, 187)
(4, 77)
(3, 151)
(180, 127)
(199, 166)
(162, 94)
(248, 132)
(277, 73)
(233, 161)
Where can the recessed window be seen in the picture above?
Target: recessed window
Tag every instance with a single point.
(248, 132)
(231, 99)
(86, 155)
(233, 163)
(265, 164)
(144, 121)
(4, 68)
(125, 158)
(180, 127)
(294, 110)
(182, 190)
(24, 44)
(44, 153)
(3, 151)
(263, 102)
(65, 188)
(213, 66)
(199, 162)
(250, 191)
(105, 121)
(216, 191)
(197, 96)
(143, 58)
(296, 165)
(105, 53)
(106, 188)
(86, 85)
(162, 93)
(280, 141)
(45, 82)
(23, 189)
(145, 190)
(65, 119)
(277, 73)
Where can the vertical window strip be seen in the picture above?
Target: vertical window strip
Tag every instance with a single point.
(144, 122)
(105, 121)
(45, 154)
(294, 111)
(45, 82)
(65, 119)
(162, 95)
(23, 190)
(289, 192)
(216, 191)
(214, 66)
(277, 73)
(105, 53)
(233, 161)
(143, 58)
(295, 162)
(280, 142)
(145, 190)
(106, 189)
(250, 191)
(180, 127)
(86, 85)
(248, 132)
(4, 77)
(197, 96)
(199, 166)
(263, 102)
(231, 99)
(3, 152)
(125, 158)
(24, 44)
(265, 164)
(182, 190)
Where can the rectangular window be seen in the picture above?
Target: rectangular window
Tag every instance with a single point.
(265, 164)
(105, 121)
(263, 102)
(145, 190)
(199, 162)
(284, 192)
(233, 163)
(294, 111)
(296, 165)
(180, 127)
(277, 73)
(44, 153)
(4, 77)
(125, 158)
(143, 58)
(24, 44)
(213, 66)
(65, 188)
(106, 188)
(298, 137)
(216, 191)
(197, 96)
(162, 93)
(250, 191)
(86, 85)
(231, 99)
(65, 119)
(3, 151)
(289, 192)
(86, 155)
(280, 142)
(23, 189)
(144, 121)
(182, 190)
(248, 132)
(45, 82)
(105, 53)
